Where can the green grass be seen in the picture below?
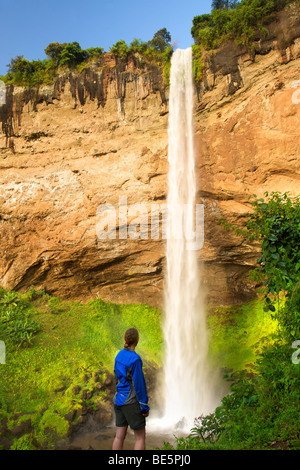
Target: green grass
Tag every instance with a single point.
(237, 334)
(74, 342)
(73, 338)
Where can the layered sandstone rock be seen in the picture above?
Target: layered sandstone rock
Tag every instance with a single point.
(74, 150)
(95, 137)
(247, 140)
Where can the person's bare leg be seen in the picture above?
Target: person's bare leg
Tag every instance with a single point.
(140, 439)
(119, 438)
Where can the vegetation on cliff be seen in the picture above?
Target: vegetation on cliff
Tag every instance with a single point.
(23, 72)
(228, 20)
(159, 50)
(263, 409)
(243, 22)
(239, 21)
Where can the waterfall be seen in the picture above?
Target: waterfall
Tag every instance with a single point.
(187, 389)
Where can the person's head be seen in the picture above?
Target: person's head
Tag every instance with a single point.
(131, 338)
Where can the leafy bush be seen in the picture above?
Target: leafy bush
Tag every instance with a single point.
(223, 4)
(16, 321)
(158, 50)
(208, 428)
(71, 54)
(275, 222)
(95, 51)
(23, 443)
(120, 49)
(23, 72)
(198, 65)
(54, 51)
(137, 45)
(251, 416)
(156, 47)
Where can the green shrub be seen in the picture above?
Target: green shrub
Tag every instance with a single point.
(275, 223)
(120, 49)
(138, 46)
(23, 72)
(23, 443)
(16, 320)
(198, 64)
(72, 55)
(95, 52)
(250, 417)
(54, 50)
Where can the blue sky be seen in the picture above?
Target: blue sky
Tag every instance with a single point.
(27, 27)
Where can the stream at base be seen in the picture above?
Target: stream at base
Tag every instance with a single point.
(103, 439)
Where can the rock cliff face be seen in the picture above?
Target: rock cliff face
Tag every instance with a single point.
(247, 140)
(101, 135)
(89, 139)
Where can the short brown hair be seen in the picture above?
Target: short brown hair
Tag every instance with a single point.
(131, 336)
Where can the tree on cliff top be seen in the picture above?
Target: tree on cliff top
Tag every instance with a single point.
(158, 50)
(161, 40)
(224, 4)
(24, 72)
(70, 53)
(54, 50)
(120, 49)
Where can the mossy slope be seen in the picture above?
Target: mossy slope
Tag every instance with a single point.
(52, 379)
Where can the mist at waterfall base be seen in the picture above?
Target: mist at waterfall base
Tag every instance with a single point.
(188, 387)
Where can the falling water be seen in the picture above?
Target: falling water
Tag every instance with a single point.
(187, 389)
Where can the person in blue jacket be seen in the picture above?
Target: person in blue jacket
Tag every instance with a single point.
(131, 399)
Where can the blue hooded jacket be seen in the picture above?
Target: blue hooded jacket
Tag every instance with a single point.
(131, 386)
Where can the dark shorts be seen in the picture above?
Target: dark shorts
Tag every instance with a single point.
(130, 415)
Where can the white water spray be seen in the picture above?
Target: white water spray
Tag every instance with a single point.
(187, 388)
